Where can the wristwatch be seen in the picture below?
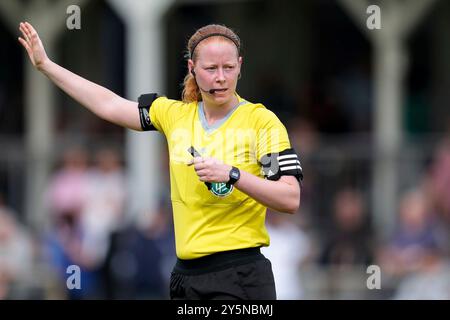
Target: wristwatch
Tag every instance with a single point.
(235, 174)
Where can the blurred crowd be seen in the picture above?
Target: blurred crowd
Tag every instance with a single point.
(122, 259)
(323, 251)
(118, 258)
(413, 259)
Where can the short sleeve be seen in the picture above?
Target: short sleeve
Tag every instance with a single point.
(273, 149)
(272, 136)
(163, 113)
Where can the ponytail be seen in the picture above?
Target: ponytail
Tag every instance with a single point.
(191, 92)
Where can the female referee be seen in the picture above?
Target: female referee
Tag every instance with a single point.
(230, 159)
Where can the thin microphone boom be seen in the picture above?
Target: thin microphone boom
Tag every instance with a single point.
(210, 91)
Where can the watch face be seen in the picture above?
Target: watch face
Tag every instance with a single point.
(234, 175)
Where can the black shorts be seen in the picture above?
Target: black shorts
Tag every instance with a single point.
(243, 274)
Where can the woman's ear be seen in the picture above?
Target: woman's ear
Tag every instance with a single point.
(240, 63)
(190, 65)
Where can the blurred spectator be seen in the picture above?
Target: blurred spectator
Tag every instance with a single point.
(414, 256)
(66, 198)
(66, 192)
(289, 248)
(63, 249)
(439, 183)
(140, 257)
(349, 243)
(414, 243)
(432, 281)
(16, 254)
(103, 207)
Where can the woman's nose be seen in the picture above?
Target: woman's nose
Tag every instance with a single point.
(220, 75)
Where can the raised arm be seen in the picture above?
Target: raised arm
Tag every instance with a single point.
(101, 101)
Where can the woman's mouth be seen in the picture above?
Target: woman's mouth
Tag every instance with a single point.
(218, 90)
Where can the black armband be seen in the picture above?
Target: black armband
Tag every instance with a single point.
(144, 103)
(284, 163)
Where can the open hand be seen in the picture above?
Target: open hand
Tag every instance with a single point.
(33, 44)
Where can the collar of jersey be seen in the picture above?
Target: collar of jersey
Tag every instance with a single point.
(210, 128)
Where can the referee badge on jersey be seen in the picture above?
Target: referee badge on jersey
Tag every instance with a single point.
(221, 189)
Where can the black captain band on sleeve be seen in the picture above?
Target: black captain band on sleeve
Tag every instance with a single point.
(284, 163)
(144, 103)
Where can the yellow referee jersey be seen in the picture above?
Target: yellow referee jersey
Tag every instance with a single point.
(222, 218)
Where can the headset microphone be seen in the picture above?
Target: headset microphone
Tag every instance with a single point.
(210, 91)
